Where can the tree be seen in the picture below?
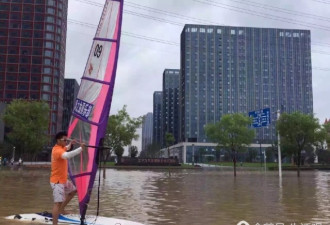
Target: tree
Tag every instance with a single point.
(169, 140)
(120, 132)
(327, 130)
(152, 151)
(232, 131)
(297, 131)
(28, 123)
(133, 150)
(119, 151)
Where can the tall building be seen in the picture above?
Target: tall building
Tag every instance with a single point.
(32, 53)
(71, 88)
(157, 117)
(241, 69)
(147, 130)
(171, 83)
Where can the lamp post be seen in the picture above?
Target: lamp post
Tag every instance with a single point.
(260, 153)
(193, 154)
(265, 157)
(279, 148)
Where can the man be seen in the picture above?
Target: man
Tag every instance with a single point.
(63, 189)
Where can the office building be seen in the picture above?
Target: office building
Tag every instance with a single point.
(171, 83)
(157, 118)
(147, 130)
(32, 53)
(71, 88)
(241, 69)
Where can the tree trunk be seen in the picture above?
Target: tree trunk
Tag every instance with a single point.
(298, 163)
(234, 160)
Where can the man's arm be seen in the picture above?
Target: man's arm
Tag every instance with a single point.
(68, 155)
(72, 142)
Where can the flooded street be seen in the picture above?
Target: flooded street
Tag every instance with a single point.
(208, 196)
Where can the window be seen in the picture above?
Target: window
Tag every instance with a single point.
(48, 62)
(34, 87)
(38, 26)
(49, 53)
(46, 79)
(27, 16)
(45, 97)
(45, 87)
(50, 19)
(49, 36)
(51, 2)
(47, 70)
(51, 11)
(39, 17)
(22, 86)
(22, 95)
(49, 44)
(23, 77)
(50, 27)
(34, 95)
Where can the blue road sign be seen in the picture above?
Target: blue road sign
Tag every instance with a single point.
(261, 118)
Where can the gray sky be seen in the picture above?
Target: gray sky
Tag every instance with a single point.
(142, 62)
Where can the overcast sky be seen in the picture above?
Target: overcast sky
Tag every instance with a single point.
(142, 62)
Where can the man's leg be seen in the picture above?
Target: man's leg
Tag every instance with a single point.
(59, 197)
(56, 212)
(67, 200)
(70, 191)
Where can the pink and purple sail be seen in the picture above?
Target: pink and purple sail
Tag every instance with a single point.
(91, 111)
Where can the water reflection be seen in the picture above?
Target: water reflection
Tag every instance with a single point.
(209, 196)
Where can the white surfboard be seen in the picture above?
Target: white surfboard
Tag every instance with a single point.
(46, 218)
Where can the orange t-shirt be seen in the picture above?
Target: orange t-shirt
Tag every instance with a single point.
(59, 173)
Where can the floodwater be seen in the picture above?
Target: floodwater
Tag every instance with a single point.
(186, 197)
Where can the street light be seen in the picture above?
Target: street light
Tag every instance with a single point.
(279, 148)
(193, 154)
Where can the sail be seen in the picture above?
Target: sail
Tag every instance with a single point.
(91, 111)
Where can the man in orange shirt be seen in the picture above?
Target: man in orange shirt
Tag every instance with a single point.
(63, 189)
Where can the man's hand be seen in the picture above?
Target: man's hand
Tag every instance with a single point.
(83, 146)
(73, 142)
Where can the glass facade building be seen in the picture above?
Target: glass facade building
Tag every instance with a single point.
(147, 130)
(241, 69)
(171, 84)
(32, 53)
(157, 117)
(71, 88)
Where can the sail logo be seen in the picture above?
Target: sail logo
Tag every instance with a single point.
(98, 50)
(82, 108)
